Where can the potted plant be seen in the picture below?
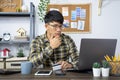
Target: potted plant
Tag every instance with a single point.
(18, 9)
(96, 69)
(42, 7)
(20, 53)
(105, 68)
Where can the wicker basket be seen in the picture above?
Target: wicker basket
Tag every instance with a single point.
(115, 68)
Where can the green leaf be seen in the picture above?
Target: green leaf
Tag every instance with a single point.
(105, 64)
(96, 65)
(42, 7)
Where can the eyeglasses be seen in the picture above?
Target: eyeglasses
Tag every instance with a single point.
(56, 26)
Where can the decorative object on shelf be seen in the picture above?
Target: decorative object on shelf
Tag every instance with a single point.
(18, 9)
(20, 53)
(6, 36)
(4, 53)
(24, 8)
(0, 39)
(21, 34)
(42, 7)
(99, 7)
(9, 5)
(96, 69)
(105, 68)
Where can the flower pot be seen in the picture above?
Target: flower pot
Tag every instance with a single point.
(105, 72)
(24, 8)
(96, 72)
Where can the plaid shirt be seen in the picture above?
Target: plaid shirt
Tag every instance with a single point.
(42, 53)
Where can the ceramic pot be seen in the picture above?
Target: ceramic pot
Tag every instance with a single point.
(96, 72)
(105, 72)
(24, 8)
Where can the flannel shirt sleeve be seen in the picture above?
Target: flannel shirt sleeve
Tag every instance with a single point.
(73, 53)
(35, 56)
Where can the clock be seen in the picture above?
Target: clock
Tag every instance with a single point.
(6, 36)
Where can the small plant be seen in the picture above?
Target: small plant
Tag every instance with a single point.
(105, 64)
(20, 53)
(18, 9)
(96, 65)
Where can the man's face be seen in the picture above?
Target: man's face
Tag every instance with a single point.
(53, 28)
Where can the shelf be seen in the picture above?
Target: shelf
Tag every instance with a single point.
(17, 43)
(15, 59)
(11, 71)
(11, 42)
(15, 14)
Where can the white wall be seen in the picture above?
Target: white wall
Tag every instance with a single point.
(105, 26)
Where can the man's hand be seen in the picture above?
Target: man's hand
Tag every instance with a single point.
(65, 65)
(55, 41)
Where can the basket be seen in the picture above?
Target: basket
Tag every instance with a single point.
(115, 68)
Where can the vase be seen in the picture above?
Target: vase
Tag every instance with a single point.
(24, 8)
(96, 72)
(105, 72)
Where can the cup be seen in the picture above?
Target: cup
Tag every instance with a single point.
(26, 67)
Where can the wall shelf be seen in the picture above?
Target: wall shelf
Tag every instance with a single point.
(11, 15)
(12, 42)
(16, 14)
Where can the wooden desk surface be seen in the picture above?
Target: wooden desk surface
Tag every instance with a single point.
(68, 76)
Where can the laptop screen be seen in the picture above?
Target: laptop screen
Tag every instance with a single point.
(94, 50)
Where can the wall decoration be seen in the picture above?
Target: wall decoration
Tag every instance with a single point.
(9, 5)
(76, 17)
(42, 7)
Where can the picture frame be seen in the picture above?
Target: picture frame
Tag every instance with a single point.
(10, 5)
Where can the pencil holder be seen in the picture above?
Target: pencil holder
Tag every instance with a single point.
(115, 68)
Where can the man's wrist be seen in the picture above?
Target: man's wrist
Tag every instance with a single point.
(70, 64)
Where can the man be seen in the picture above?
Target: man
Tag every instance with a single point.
(53, 46)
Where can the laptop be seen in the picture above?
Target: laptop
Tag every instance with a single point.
(94, 50)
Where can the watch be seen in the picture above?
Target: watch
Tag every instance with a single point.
(6, 36)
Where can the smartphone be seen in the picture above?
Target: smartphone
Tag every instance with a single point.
(60, 73)
(44, 72)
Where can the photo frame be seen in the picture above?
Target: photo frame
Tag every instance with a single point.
(10, 5)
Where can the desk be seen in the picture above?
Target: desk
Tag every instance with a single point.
(68, 76)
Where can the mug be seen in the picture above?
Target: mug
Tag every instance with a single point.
(26, 67)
